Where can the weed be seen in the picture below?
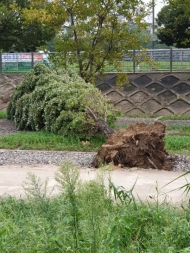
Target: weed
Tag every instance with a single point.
(3, 115)
(84, 218)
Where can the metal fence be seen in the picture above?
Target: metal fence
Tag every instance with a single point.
(21, 62)
(169, 60)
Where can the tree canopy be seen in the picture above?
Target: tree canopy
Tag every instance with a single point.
(17, 32)
(173, 24)
(94, 33)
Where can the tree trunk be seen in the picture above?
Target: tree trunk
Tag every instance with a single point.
(101, 124)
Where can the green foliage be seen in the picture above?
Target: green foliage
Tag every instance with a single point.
(84, 218)
(15, 30)
(173, 24)
(101, 35)
(58, 101)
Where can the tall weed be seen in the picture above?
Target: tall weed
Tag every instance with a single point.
(85, 218)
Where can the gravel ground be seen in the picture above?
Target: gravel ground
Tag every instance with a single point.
(84, 159)
(127, 121)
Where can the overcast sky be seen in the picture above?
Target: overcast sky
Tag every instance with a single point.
(158, 5)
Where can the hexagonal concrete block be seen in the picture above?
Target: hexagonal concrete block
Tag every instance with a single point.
(142, 80)
(150, 106)
(134, 112)
(124, 105)
(154, 88)
(187, 113)
(114, 96)
(103, 87)
(179, 106)
(128, 89)
(139, 96)
(188, 96)
(166, 97)
(164, 112)
(169, 81)
(112, 81)
(181, 88)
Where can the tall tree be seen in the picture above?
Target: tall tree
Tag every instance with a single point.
(173, 24)
(94, 33)
(15, 30)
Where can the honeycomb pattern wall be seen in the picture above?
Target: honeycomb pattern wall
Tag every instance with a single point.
(8, 82)
(149, 93)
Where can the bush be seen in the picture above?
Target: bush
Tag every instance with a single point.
(58, 101)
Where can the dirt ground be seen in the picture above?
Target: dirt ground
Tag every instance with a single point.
(13, 176)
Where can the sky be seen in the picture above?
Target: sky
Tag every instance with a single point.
(158, 5)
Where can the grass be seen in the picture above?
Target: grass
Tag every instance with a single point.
(49, 141)
(178, 130)
(178, 144)
(85, 218)
(177, 140)
(3, 115)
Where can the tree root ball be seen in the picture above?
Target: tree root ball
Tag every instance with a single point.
(140, 145)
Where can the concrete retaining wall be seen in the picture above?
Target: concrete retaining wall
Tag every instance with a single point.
(7, 84)
(148, 93)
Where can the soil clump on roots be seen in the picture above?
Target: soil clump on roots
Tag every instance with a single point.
(140, 145)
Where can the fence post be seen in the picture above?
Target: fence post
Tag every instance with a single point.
(1, 63)
(133, 60)
(171, 58)
(32, 60)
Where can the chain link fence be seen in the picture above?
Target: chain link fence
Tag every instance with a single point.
(169, 60)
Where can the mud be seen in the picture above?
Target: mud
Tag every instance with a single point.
(151, 185)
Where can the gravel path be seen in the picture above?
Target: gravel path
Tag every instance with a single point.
(128, 121)
(83, 159)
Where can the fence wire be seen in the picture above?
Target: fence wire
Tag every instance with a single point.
(169, 60)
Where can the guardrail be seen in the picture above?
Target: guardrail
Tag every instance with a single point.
(169, 60)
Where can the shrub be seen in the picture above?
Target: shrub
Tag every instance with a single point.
(58, 101)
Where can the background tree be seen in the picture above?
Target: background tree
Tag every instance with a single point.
(94, 33)
(15, 30)
(173, 24)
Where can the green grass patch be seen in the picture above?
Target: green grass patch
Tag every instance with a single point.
(175, 117)
(85, 218)
(177, 140)
(3, 115)
(49, 141)
(177, 144)
(178, 130)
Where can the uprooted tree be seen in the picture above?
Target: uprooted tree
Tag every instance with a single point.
(60, 101)
(139, 145)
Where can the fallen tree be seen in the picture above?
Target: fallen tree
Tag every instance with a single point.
(59, 101)
(139, 145)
